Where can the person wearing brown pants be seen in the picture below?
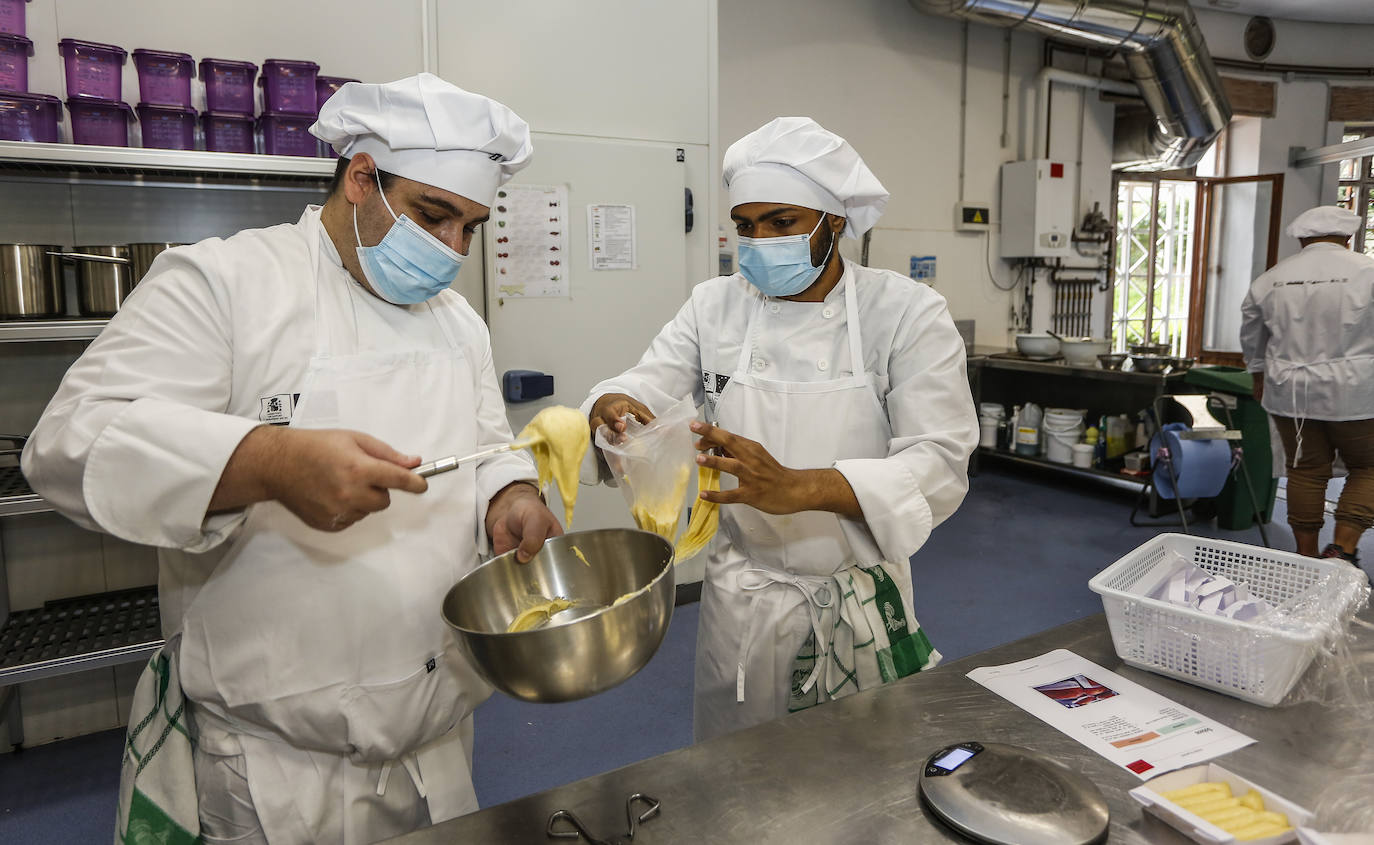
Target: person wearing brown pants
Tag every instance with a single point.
(1307, 334)
(1309, 473)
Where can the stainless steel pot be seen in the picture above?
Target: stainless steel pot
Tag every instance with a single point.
(104, 278)
(31, 281)
(142, 256)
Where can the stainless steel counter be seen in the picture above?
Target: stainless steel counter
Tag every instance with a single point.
(846, 772)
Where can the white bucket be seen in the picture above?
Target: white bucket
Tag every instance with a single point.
(1083, 455)
(1063, 430)
(987, 432)
(994, 410)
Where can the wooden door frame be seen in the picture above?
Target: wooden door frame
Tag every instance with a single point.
(1202, 258)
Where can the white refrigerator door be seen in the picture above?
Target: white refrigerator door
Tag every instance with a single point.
(610, 316)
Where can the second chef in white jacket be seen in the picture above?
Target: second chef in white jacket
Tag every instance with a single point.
(841, 413)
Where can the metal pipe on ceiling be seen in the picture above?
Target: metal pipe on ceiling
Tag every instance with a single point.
(1165, 54)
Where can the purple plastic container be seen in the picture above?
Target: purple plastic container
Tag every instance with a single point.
(12, 17)
(167, 127)
(228, 133)
(14, 62)
(325, 86)
(228, 85)
(103, 123)
(164, 79)
(93, 70)
(29, 117)
(289, 86)
(288, 135)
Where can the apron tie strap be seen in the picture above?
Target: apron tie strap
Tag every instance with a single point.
(412, 767)
(817, 591)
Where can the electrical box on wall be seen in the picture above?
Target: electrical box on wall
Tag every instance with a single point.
(972, 216)
(1037, 209)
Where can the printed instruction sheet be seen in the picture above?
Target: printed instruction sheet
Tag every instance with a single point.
(1137, 729)
(528, 239)
(611, 237)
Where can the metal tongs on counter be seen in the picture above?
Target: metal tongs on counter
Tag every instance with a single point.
(635, 819)
(453, 461)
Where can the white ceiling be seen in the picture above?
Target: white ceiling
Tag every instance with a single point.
(1327, 11)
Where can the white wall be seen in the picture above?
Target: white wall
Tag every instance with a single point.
(1263, 145)
(886, 77)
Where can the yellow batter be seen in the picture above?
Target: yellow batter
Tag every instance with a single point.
(580, 556)
(538, 614)
(558, 439)
(705, 517)
(661, 516)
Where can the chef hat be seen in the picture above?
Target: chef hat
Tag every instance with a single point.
(1324, 221)
(428, 130)
(794, 160)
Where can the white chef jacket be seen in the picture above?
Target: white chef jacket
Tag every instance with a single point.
(1308, 325)
(909, 341)
(213, 342)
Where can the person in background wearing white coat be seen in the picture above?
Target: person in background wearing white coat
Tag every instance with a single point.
(1307, 334)
(838, 403)
(255, 410)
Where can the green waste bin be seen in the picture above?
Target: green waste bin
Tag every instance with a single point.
(1234, 510)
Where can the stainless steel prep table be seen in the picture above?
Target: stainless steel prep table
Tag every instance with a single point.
(846, 772)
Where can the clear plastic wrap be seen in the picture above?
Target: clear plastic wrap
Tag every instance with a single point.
(653, 466)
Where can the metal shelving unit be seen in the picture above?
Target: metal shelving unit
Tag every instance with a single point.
(74, 635)
(1116, 479)
(30, 331)
(16, 497)
(132, 165)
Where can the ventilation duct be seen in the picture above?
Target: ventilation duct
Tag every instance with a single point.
(1164, 52)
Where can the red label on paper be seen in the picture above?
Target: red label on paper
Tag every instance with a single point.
(1056, 171)
(1139, 766)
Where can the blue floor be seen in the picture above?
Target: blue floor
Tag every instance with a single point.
(1014, 560)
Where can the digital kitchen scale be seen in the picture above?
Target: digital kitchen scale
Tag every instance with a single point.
(1008, 795)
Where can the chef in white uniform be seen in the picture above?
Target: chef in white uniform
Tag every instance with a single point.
(840, 414)
(255, 410)
(1307, 333)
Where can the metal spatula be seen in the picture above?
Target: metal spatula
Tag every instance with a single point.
(453, 461)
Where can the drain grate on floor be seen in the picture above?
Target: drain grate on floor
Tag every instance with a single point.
(69, 632)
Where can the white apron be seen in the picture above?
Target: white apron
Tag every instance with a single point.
(304, 641)
(773, 582)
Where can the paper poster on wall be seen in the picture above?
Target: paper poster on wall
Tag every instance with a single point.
(611, 237)
(528, 239)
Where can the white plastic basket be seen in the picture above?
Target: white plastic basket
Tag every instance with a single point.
(1248, 660)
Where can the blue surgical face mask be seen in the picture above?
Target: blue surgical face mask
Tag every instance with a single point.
(410, 265)
(781, 266)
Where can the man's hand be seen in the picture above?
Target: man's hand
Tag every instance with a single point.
(1257, 380)
(517, 517)
(610, 410)
(329, 478)
(766, 484)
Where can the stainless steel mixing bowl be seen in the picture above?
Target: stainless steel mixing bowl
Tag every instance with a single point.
(579, 652)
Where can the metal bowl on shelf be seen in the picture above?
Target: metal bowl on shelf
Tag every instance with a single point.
(1150, 363)
(622, 596)
(1040, 347)
(1112, 360)
(1182, 364)
(1149, 348)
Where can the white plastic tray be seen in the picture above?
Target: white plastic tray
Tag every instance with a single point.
(1195, 827)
